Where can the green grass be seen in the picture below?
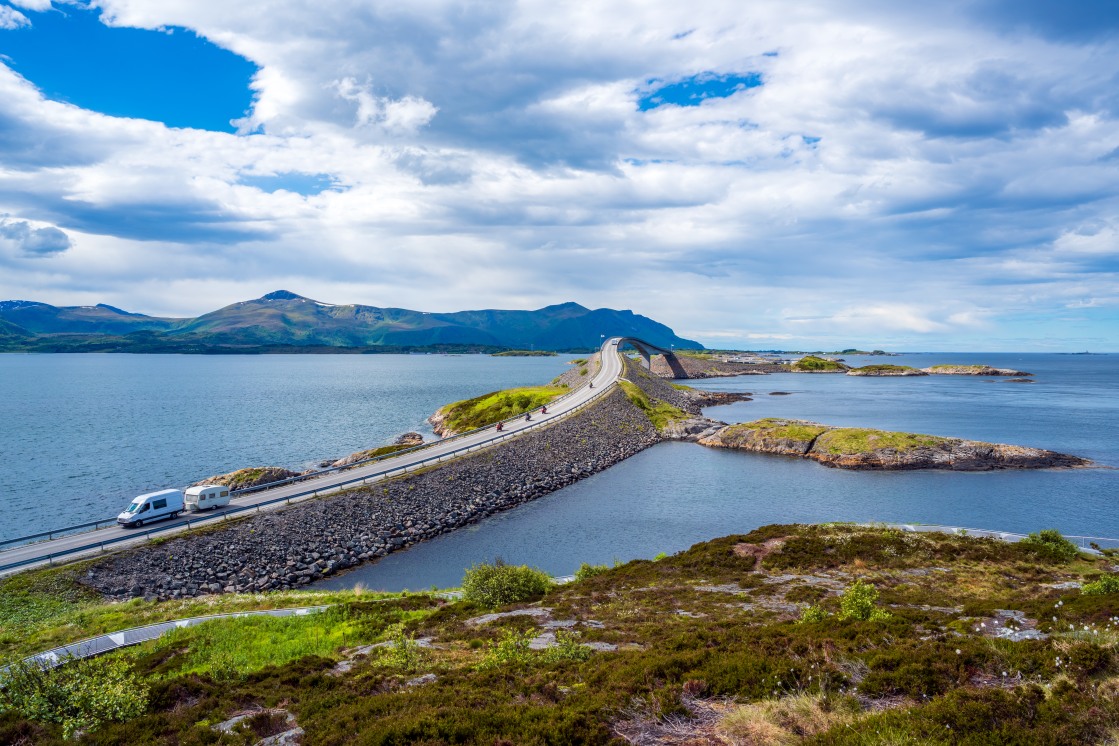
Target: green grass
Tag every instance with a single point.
(811, 362)
(702, 628)
(496, 406)
(845, 440)
(772, 427)
(381, 451)
(658, 412)
(957, 367)
(227, 649)
(43, 609)
(885, 368)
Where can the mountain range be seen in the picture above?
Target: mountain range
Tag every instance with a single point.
(285, 322)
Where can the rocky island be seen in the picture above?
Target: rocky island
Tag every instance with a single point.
(972, 370)
(861, 448)
(886, 370)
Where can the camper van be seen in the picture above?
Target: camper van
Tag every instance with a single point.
(153, 506)
(206, 497)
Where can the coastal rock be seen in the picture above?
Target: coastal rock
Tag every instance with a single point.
(863, 449)
(409, 439)
(251, 477)
(772, 435)
(973, 370)
(886, 371)
(692, 429)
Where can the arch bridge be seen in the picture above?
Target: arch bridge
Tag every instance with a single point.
(646, 350)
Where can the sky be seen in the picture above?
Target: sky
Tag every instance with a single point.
(819, 174)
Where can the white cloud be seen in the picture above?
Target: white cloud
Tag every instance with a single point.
(36, 5)
(495, 156)
(10, 18)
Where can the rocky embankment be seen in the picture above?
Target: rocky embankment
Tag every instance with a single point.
(684, 367)
(973, 370)
(859, 448)
(294, 546)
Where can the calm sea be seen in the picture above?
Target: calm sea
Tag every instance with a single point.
(675, 494)
(82, 434)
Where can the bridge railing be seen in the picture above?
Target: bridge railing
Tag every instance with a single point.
(299, 496)
(107, 522)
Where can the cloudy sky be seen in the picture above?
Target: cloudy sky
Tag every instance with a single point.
(766, 174)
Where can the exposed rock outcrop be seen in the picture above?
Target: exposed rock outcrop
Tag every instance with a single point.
(973, 370)
(252, 477)
(296, 545)
(407, 440)
(692, 429)
(858, 448)
(886, 371)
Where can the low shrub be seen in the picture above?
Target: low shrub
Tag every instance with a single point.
(814, 613)
(511, 649)
(858, 603)
(567, 648)
(589, 571)
(80, 695)
(1050, 544)
(1103, 586)
(499, 584)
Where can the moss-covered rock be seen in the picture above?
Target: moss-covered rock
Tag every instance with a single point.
(254, 476)
(886, 370)
(864, 448)
(814, 364)
(972, 370)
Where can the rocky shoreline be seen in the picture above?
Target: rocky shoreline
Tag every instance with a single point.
(307, 541)
(864, 449)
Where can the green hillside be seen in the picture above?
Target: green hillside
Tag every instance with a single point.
(283, 319)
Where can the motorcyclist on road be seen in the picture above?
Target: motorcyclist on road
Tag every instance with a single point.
(592, 384)
(543, 410)
(528, 416)
(500, 426)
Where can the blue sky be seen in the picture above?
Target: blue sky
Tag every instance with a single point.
(826, 174)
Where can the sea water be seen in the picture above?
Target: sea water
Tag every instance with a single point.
(676, 494)
(82, 434)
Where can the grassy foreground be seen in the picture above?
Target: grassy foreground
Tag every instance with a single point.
(789, 634)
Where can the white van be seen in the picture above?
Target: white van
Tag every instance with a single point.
(153, 506)
(206, 497)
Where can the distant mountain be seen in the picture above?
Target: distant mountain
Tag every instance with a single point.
(284, 320)
(41, 318)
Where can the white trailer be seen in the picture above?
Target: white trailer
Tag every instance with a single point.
(153, 506)
(206, 497)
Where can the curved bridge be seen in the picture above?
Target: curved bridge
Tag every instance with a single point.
(65, 544)
(647, 350)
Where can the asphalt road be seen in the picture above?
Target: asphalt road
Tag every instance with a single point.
(30, 555)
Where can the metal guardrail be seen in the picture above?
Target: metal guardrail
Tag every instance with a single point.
(95, 525)
(400, 471)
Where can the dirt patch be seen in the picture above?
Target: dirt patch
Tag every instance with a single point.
(759, 551)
